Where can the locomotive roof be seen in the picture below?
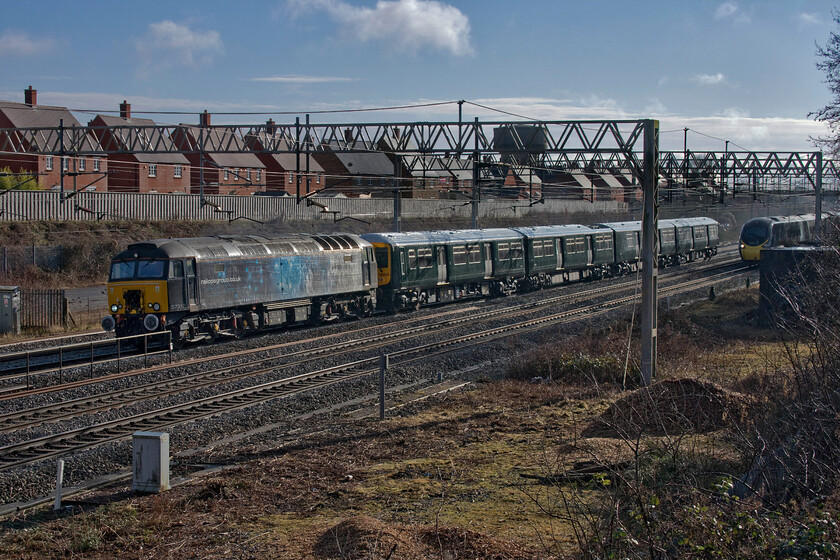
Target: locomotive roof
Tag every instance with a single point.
(240, 245)
(443, 236)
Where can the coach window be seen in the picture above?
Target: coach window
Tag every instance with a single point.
(459, 255)
(474, 254)
(425, 257)
(412, 259)
(176, 270)
(548, 248)
(516, 250)
(538, 249)
(504, 251)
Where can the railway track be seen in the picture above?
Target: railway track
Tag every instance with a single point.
(104, 401)
(45, 447)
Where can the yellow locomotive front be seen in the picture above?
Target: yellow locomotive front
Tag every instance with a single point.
(755, 235)
(137, 294)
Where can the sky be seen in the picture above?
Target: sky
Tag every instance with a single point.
(733, 70)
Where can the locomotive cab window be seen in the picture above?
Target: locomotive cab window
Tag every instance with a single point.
(176, 269)
(122, 269)
(151, 269)
(382, 257)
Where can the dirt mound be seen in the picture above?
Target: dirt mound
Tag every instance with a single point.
(674, 406)
(364, 537)
(462, 544)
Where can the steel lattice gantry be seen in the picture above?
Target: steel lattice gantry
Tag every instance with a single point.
(588, 146)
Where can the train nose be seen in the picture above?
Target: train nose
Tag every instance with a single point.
(133, 301)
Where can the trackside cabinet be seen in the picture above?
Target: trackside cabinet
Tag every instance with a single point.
(9, 309)
(151, 462)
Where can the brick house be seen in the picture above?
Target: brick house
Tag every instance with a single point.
(365, 171)
(223, 173)
(281, 169)
(80, 172)
(140, 172)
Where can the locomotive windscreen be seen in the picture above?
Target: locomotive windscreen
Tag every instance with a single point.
(754, 234)
(123, 270)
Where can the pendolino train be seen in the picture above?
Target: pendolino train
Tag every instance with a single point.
(201, 288)
(779, 231)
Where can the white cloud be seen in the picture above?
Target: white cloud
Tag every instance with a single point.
(807, 18)
(302, 79)
(167, 43)
(709, 79)
(726, 10)
(19, 43)
(731, 11)
(409, 25)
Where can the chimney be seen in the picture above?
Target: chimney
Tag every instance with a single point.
(125, 109)
(204, 119)
(348, 135)
(30, 96)
(270, 126)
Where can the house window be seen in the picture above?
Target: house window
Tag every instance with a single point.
(318, 178)
(65, 163)
(96, 164)
(152, 170)
(48, 163)
(259, 175)
(370, 181)
(177, 171)
(291, 177)
(249, 175)
(227, 175)
(82, 164)
(235, 174)
(359, 181)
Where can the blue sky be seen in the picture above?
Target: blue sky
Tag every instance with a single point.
(733, 70)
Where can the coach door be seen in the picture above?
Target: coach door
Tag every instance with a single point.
(367, 257)
(488, 260)
(441, 264)
(558, 248)
(192, 287)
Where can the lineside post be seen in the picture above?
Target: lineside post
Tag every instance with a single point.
(383, 367)
(59, 483)
(818, 189)
(650, 248)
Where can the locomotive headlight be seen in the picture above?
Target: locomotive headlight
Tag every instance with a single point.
(115, 308)
(156, 306)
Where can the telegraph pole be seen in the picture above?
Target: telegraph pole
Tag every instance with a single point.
(818, 188)
(476, 164)
(650, 249)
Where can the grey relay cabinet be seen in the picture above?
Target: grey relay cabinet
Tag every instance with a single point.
(9, 309)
